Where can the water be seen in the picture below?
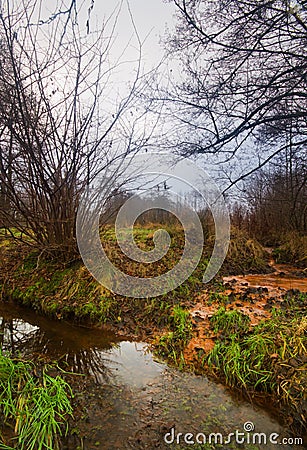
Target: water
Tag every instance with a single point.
(126, 398)
(271, 281)
(284, 277)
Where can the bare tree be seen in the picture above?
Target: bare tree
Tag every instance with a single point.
(277, 198)
(243, 65)
(61, 122)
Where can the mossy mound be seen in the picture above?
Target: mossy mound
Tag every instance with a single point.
(245, 255)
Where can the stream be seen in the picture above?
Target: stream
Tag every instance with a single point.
(125, 398)
(284, 278)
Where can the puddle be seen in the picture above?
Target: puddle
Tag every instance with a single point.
(127, 399)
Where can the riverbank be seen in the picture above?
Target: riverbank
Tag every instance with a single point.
(251, 339)
(69, 292)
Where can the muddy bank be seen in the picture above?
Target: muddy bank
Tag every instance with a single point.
(255, 339)
(281, 278)
(254, 295)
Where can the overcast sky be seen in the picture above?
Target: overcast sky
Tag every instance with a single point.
(151, 18)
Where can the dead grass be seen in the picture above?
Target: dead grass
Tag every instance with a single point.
(245, 255)
(293, 250)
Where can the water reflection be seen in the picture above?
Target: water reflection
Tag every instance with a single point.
(98, 353)
(15, 335)
(132, 364)
(76, 349)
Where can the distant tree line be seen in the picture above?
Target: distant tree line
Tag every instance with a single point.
(276, 200)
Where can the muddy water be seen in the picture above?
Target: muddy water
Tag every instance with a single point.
(126, 399)
(275, 280)
(283, 277)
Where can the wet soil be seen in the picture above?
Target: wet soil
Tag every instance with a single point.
(254, 295)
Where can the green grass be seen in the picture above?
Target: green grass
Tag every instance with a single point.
(36, 405)
(271, 357)
(181, 323)
(172, 343)
(245, 363)
(68, 291)
(229, 322)
(10, 235)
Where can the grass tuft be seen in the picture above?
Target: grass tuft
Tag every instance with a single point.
(228, 322)
(36, 404)
(172, 343)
